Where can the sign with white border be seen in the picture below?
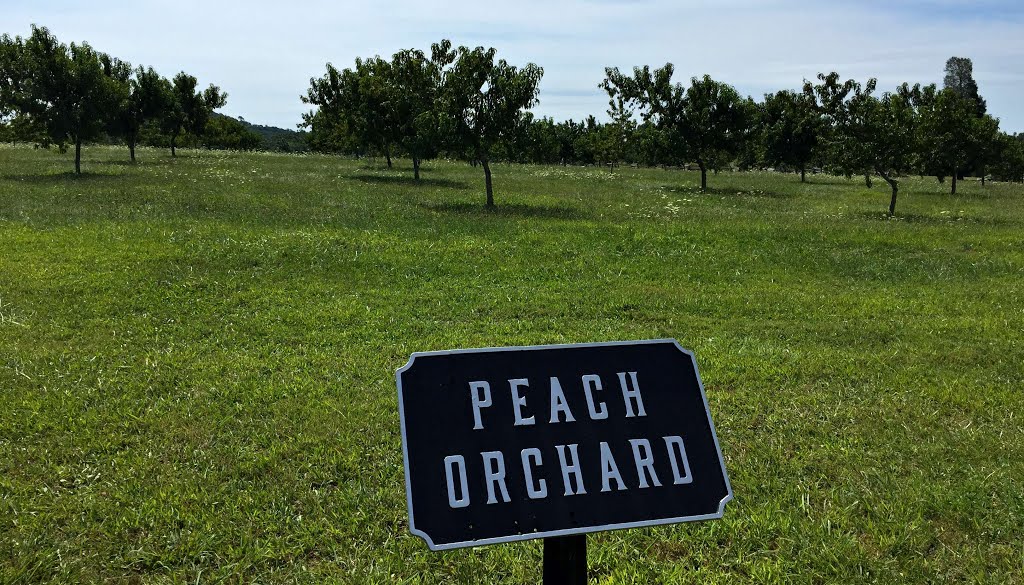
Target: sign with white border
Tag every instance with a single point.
(515, 443)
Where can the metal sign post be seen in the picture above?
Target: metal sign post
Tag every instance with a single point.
(553, 442)
(565, 560)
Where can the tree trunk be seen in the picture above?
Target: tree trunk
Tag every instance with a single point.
(174, 136)
(78, 156)
(803, 175)
(953, 191)
(703, 176)
(867, 180)
(387, 154)
(416, 167)
(131, 148)
(895, 189)
(487, 180)
(982, 176)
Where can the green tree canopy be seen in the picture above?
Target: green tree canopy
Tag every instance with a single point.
(1009, 163)
(485, 101)
(951, 136)
(361, 101)
(188, 109)
(959, 79)
(332, 123)
(707, 121)
(61, 88)
(870, 134)
(415, 88)
(790, 128)
(142, 95)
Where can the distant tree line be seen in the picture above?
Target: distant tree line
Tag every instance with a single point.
(462, 103)
(70, 95)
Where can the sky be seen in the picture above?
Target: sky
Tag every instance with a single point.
(263, 53)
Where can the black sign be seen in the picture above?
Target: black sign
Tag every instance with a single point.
(505, 444)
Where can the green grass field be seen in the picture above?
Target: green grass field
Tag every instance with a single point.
(197, 362)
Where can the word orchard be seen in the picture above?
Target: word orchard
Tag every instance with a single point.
(574, 481)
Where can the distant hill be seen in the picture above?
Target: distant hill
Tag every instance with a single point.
(277, 139)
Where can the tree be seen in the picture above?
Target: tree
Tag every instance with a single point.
(360, 101)
(519, 146)
(329, 134)
(414, 89)
(790, 128)
(543, 142)
(375, 107)
(612, 140)
(951, 136)
(23, 128)
(715, 120)
(189, 109)
(649, 145)
(119, 75)
(486, 101)
(15, 73)
(845, 154)
(985, 133)
(959, 79)
(60, 88)
(142, 95)
(870, 134)
(331, 124)
(707, 121)
(585, 142)
(1009, 165)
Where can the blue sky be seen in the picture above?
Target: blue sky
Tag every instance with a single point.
(263, 53)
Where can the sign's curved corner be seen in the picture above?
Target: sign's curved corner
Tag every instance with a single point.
(680, 347)
(404, 368)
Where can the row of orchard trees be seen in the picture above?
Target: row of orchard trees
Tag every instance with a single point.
(461, 101)
(919, 129)
(842, 125)
(70, 94)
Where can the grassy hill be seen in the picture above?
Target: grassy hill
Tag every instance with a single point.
(197, 362)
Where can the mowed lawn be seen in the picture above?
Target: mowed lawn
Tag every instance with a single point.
(197, 362)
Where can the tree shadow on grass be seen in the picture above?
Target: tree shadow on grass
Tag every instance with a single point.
(409, 181)
(831, 180)
(372, 165)
(694, 191)
(976, 193)
(930, 219)
(51, 178)
(759, 193)
(139, 162)
(506, 210)
(398, 166)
